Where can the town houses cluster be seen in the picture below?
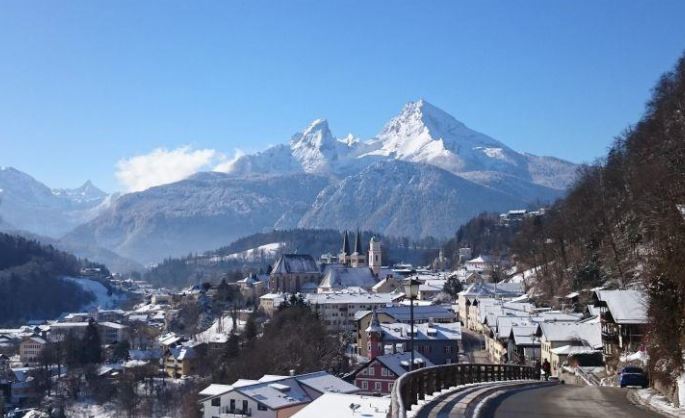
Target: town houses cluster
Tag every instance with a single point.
(386, 332)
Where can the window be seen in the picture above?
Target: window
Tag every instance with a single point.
(244, 405)
(365, 385)
(261, 407)
(371, 371)
(216, 402)
(232, 407)
(378, 386)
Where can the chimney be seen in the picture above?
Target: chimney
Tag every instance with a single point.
(292, 372)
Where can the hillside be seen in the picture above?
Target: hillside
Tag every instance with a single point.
(30, 281)
(213, 265)
(623, 224)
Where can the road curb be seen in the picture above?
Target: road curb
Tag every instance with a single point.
(638, 400)
(477, 407)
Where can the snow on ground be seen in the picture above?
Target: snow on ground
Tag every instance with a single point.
(658, 402)
(219, 331)
(102, 299)
(523, 277)
(90, 410)
(267, 250)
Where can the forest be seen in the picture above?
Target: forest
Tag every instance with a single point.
(193, 269)
(30, 287)
(623, 224)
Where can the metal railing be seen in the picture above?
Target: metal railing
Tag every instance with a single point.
(416, 385)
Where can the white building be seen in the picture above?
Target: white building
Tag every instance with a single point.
(337, 309)
(271, 396)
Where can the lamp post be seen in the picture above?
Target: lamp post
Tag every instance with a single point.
(411, 290)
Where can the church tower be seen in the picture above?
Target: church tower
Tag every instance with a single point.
(374, 334)
(358, 259)
(344, 256)
(375, 255)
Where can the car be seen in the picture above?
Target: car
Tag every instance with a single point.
(633, 376)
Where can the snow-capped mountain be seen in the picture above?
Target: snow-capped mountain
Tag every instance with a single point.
(424, 174)
(420, 133)
(88, 192)
(404, 199)
(29, 205)
(202, 212)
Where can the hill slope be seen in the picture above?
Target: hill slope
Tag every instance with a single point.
(30, 281)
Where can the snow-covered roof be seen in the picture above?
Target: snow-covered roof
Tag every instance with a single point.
(573, 349)
(494, 289)
(295, 263)
(276, 392)
(338, 405)
(215, 389)
(398, 363)
(525, 335)
(588, 333)
(421, 313)
(337, 276)
(625, 306)
(481, 259)
(115, 325)
(401, 331)
(323, 382)
(343, 297)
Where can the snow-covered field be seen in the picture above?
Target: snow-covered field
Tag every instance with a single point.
(90, 410)
(267, 250)
(102, 299)
(219, 331)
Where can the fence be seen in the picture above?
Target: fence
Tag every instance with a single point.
(414, 386)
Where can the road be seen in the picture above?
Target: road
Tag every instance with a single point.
(473, 344)
(565, 401)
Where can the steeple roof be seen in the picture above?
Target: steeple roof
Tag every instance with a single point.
(346, 244)
(375, 324)
(358, 243)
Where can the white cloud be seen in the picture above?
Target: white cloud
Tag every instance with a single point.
(162, 166)
(226, 165)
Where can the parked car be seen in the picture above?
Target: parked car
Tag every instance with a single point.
(633, 376)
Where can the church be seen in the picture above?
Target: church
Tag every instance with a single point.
(355, 267)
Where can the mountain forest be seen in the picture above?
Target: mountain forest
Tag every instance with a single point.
(623, 224)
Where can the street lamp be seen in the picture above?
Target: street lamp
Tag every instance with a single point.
(411, 290)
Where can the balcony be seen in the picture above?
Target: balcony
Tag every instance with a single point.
(227, 412)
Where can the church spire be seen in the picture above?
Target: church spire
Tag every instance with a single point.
(358, 243)
(346, 244)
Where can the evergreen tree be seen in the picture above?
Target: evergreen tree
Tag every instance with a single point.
(453, 286)
(232, 349)
(92, 348)
(121, 351)
(251, 328)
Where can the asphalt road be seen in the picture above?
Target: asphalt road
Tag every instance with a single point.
(565, 401)
(473, 344)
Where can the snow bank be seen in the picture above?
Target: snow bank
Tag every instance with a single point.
(658, 402)
(102, 298)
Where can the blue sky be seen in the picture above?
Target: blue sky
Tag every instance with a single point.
(85, 84)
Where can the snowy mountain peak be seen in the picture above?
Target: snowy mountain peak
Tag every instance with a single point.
(426, 114)
(424, 133)
(316, 149)
(87, 192)
(316, 134)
